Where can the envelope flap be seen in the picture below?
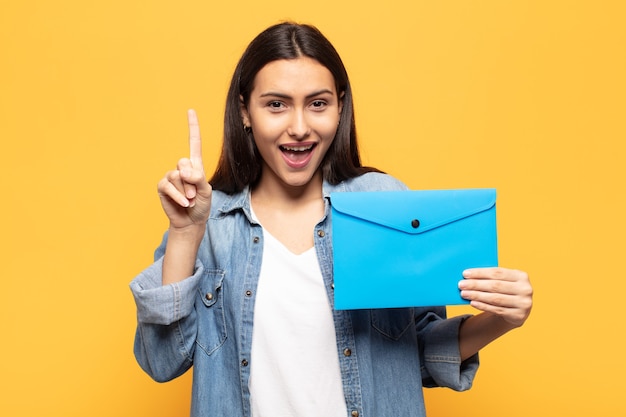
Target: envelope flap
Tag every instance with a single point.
(414, 211)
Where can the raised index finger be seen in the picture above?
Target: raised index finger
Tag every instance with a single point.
(195, 141)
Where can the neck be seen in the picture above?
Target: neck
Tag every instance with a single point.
(278, 193)
(290, 213)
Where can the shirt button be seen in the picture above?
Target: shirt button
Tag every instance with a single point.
(248, 293)
(354, 413)
(209, 296)
(244, 362)
(321, 233)
(347, 352)
(256, 239)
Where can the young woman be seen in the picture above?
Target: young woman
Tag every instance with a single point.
(242, 285)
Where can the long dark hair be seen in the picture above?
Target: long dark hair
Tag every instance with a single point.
(240, 162)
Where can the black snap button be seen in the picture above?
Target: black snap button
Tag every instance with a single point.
(256, 239)
(248, 293)
(244, 362)
(415, 223)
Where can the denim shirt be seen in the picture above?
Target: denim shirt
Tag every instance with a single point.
(386, 356)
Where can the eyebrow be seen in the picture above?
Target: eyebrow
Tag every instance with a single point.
(286, 96)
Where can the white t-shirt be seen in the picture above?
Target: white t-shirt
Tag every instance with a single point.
(294, 367)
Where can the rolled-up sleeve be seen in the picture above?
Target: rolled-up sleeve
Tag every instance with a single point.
(441, 359)
(164, 304)
(166, 322)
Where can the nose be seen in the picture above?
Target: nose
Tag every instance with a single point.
(299, 127)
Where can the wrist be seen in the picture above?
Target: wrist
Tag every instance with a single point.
(180, 253)
(192, 233)
(478, 331)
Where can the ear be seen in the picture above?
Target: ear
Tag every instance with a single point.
(243, 110)
(343, 93)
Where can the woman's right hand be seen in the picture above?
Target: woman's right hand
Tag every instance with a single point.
(184, 192)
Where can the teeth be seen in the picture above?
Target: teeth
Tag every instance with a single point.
(297, 148)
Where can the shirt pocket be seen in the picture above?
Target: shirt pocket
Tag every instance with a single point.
(211, 319)
(392, 322)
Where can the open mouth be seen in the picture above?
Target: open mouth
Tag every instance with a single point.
(298, 148)
(299, 155)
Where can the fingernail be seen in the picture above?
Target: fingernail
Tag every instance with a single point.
(467, 273)
(462, 284)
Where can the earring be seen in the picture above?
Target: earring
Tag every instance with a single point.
(247, 128)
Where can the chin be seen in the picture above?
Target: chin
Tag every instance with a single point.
(299, 180)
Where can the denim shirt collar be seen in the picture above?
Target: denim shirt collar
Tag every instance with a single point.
(241, 200)
(237, 201)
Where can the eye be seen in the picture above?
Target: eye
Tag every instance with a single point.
(318, 104)
(275, 105)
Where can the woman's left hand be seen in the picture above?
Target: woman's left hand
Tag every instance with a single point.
(506, 293)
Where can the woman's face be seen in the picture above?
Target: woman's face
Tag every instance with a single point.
(293, 111)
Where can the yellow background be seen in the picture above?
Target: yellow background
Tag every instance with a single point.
(525, 96)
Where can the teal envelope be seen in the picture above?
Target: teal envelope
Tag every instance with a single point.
(409, 248)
